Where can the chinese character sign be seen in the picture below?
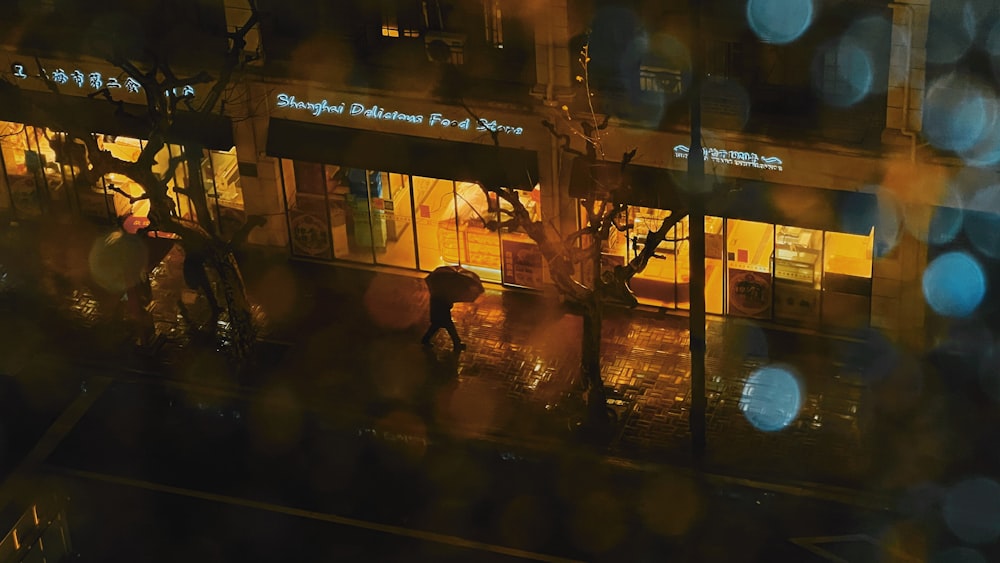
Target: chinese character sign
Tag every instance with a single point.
(91, 81)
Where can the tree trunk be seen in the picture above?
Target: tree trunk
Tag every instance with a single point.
(195, 188)
(597, 407)
(241, 335)
(213, 270)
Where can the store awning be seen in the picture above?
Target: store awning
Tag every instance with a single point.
(797, 206)
(406, 154)
(97, 115)
(638, 185)
(781, 204)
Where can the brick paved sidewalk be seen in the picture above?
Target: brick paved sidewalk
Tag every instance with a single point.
(523, 353)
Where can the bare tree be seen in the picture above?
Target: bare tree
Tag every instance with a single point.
(210, 265)
(574, 259)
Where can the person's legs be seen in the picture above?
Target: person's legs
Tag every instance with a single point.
(431, 331)
(453, 332)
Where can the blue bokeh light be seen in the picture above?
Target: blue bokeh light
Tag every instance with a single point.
(972, 510)
(954, 284)
(958, 113)
(986, 150)
(771, 398)
(951, 29)
(992, 43)
(779, 21)
(874, 35)
(934, 224)
(854, 73)
(938, 219)
(944, 224)
(982, 221)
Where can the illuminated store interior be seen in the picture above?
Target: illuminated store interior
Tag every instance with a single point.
(406, 221)
(776, 272)
(45, 171)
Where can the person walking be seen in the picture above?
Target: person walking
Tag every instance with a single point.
(441, 318)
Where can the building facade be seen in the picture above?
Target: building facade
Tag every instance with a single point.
(359, 131)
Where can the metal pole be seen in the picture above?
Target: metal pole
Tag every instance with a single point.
(696, 218)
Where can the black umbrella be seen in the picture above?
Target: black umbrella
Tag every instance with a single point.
(454, 283)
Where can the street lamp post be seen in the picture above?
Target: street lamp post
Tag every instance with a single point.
(696, 219)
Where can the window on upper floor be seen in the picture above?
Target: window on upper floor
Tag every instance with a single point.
(725, 59)
(493, 23)
(404, 18)
(661, 80)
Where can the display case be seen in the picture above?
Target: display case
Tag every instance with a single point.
(796, 255)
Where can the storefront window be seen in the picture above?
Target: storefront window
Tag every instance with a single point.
(847, 284)
(523, 264)
(797, 274)
(308, 217)
(749, 247)
(714, 274)
(478, 240)
(379, 217)
(35, 180)
(396, 206)
(127, 149)
(660, 282)
(849, 255)
(666, 280)
(221, 174)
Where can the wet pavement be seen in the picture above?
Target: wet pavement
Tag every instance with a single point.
(348, 337)
(269, 481)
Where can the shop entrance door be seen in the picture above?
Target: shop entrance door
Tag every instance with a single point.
(450, 226)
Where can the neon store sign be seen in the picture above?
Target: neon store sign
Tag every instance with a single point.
(377, 113)
(93, 80)
(734, 158)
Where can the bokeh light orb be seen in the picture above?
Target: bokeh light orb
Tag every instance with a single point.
(853, 71)
(992, 43)
(954, 284)
(771, 398)
(874, 35)
(951, 30)
(888, 223)
(986, 151)
(958, 113)
(972, 510)
(958, 555)
(944, 224)
(938, 222)
(779, 21)
(982, 221)
(117, 261)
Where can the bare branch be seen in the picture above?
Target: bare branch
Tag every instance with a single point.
(126, 195)
(232, 60)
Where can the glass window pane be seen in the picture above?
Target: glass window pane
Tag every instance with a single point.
(226, 190)
(478, 239)
(713, 265)
(848, 254)
(847, 284)
(523, 264)
(749, 247)
(659, 283)
(308, 220)
(797, 274)
(437, 234)
(395, 205)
